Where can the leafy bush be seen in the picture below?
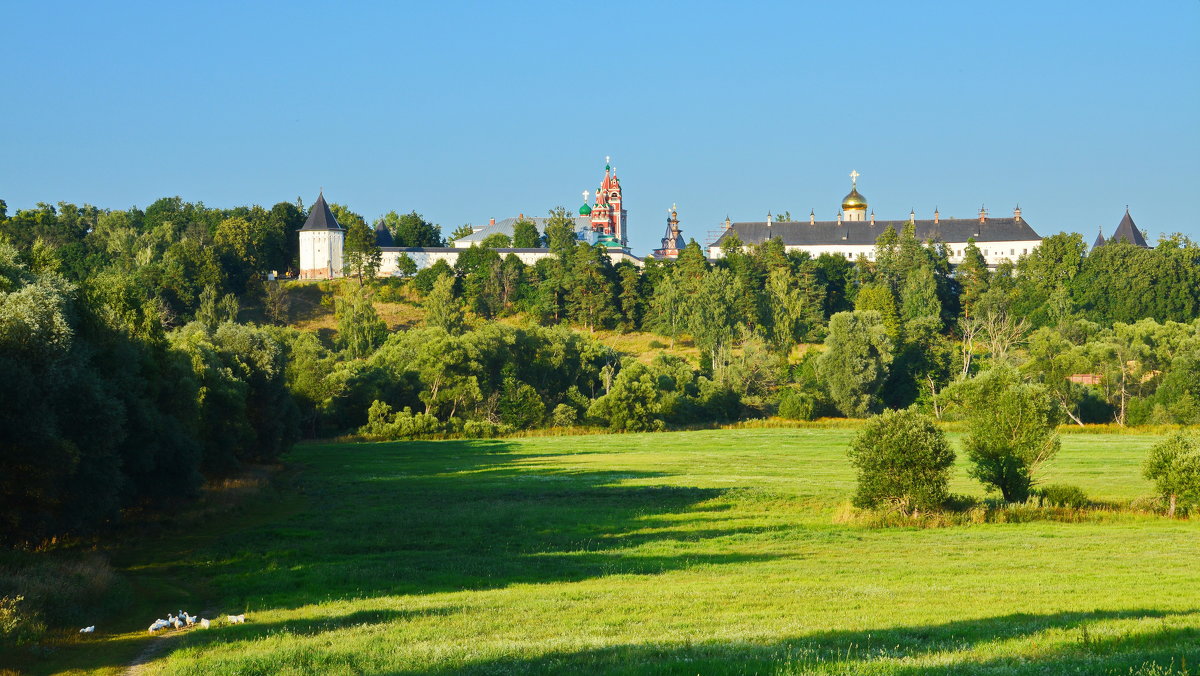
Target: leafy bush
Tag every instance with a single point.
(383, 424)
(18, 623)
(1063, 495)
(1174, 467)
(656, 344)
(1010, 431)
(564, 415)
(483, 429)
(390, 290)
(902, 458)
(797, 405)
(424, 280)
(631, 403)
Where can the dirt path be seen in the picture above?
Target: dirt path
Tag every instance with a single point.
(152, 649)
(158, 645)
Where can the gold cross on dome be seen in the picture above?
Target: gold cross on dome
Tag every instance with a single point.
(854, 177)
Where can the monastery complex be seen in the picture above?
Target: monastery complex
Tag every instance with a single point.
(605, 223)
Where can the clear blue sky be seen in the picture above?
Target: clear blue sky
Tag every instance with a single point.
(468, 111)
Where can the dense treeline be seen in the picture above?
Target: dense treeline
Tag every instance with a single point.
(1113, 333)
(128, 378)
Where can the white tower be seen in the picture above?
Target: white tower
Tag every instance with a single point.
(321, 241)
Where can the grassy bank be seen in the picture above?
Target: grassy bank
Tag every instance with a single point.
(694, 552)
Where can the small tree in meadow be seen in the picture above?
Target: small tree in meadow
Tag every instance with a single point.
(902, 458)
(1010, 431)
(1174, 467)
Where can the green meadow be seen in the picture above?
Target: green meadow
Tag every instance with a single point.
(707, 552)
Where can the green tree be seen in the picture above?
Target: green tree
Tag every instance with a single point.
(520, 405)
(286, 219)
(920, 308)
(406, 266)
(855, 362)
(360, 329)
(901, 458)
(442, 309)
(275, 302)
(560, 231)
(629, 298)
(1174, 467)
(461, 231)
(525, 235)
(787, 306)
(972, 274)
(1010, 431)
(497, 240)
(879, 298)
(667, 315)
(591, 296)
(412, 230)
(249, 247)
(631, 404)
(361, 255)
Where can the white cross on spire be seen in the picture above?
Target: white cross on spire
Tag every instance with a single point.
(854, 178)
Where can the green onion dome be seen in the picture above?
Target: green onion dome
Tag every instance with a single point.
(585, 210)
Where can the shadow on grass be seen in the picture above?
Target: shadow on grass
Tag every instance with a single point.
(415, 518)
(309, 626)
(898, 651)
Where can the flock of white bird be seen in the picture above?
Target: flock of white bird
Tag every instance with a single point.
(183, 619)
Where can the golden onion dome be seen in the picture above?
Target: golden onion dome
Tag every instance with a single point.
(854, 201)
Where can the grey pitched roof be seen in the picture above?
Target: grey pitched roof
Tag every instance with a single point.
(1099, 240)
(383, 237)
(583, 224)
(1129, 232)
(802, 233)
(320, 217)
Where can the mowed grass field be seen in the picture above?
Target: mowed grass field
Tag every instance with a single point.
(708, 552)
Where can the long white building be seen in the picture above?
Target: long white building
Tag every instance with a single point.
(854, 232)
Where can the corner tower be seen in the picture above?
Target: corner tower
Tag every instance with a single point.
(321, 241)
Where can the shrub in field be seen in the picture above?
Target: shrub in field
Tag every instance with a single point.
(1174, 467)
(1063, 495)
(902, 458)
(631, 404)
(564, 415)
(383, 424)
(795, 405)
(1010, 431)
(483, 429)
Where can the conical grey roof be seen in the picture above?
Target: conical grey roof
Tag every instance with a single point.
(383, 237)
(320, 217)
(1099, 240)
(1129, 232)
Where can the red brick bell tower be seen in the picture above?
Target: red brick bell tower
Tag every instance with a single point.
(609, 216)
